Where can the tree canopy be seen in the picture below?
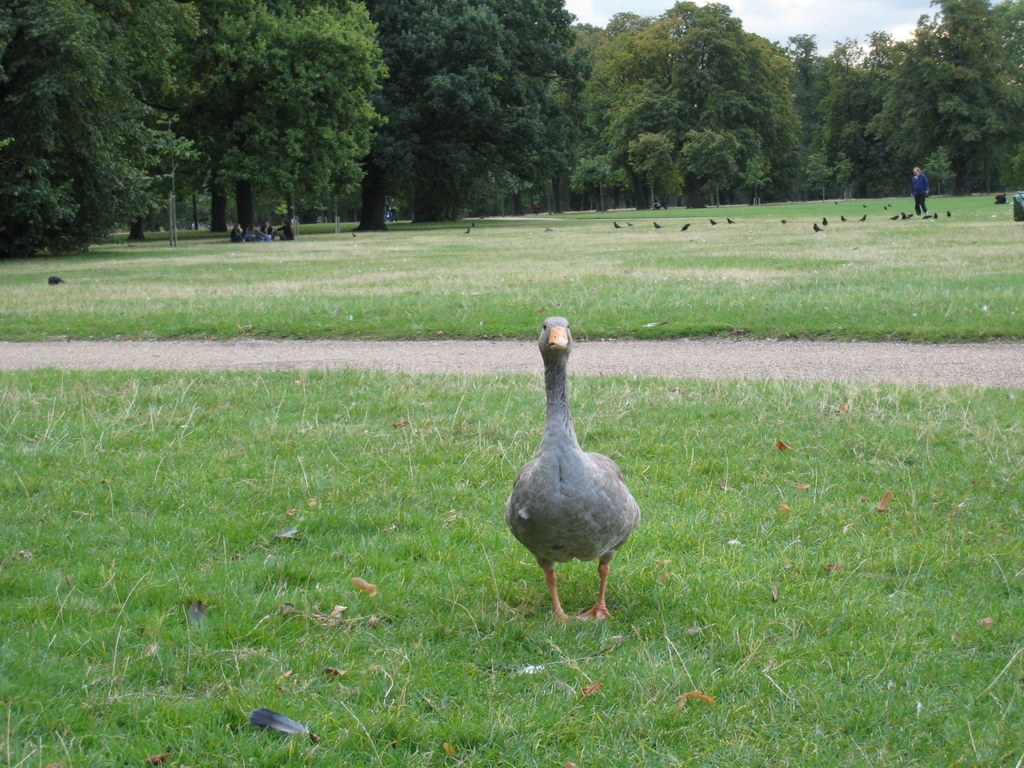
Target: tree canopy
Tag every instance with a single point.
(443, 107)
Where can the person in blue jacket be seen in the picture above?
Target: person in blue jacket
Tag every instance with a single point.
(919, 189)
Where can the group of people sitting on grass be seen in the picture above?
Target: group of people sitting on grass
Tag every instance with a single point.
(263, 234)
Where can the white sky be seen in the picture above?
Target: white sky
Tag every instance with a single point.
(778, 20)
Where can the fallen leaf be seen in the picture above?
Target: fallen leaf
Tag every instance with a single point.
(803, 486)
(695, 695)
(570, 764)
(775, 593)
(656, 324)
(883, 503)
(332, 619)
(287, 533)
(363, 584)
(987, 623)
(399, 424)
(844, 408)
(334, 672)
(783, 508)
(312, 502)
(833, 568)
(594, 687)
(781, 445)
(449, 749)
(157, 759)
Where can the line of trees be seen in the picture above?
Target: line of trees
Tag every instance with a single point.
(445, 108)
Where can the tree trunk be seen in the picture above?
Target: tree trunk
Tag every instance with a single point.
(245, 208)
(374, 196)
(137, 231)
(639, 194)
(218, 209)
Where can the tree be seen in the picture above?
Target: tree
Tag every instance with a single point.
(756, 175)
(817, 171)
(651, 155)
(952, 90)
(471, 95)
(280, 98)
(76, 86)
(939, 169)
(857, 77)
(691, 74)
(710, 157)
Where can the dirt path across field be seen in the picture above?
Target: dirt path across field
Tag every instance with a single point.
(999, 364)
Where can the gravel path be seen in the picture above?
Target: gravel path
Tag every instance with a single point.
(998, 364)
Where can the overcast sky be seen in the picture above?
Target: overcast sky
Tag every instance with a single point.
(778, 20)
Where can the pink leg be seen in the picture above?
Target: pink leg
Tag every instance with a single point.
(549, 576)
(600, 610)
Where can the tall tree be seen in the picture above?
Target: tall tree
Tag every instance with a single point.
(857, 78)
(690, 74)
(471, 94)
(952, 90)
(77, 80)
(280, 97)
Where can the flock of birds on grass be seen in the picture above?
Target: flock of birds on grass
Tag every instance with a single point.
(815, 226)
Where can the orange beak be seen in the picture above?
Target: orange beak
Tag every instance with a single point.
(558, 338)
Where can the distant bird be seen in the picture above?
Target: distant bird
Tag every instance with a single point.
(566, 503)
(629, 224)
(548, 229)
(885, 207)
(863, 218)
(616, 225)
(468, 230)
(713, 222)
(54, 280)
(893, 218)
(817, 228)
(730, 221)
(949, 215)
(784, 221)
(824, 221)
(657, 225)
(842, 218)
(685, 227)
(354, 234)
(904, 216)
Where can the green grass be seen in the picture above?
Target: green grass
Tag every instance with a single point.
(127, 496)
(957, 278)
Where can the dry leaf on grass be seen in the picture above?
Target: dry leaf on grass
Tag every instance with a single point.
(594, 687)
(781, 445)
(695, 695)
(287, 533)
(157, 759)
(987, 623)
(883, 503)
(332, 619)
(363, 584)
(449, 749)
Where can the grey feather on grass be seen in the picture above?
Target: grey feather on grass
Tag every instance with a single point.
(267, 718)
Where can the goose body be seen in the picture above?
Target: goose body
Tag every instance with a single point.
(567, 503)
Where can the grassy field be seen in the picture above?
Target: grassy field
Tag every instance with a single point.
(828, 626)
(825, 574)
(954, 278)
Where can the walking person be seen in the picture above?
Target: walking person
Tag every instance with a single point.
(919, 189)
